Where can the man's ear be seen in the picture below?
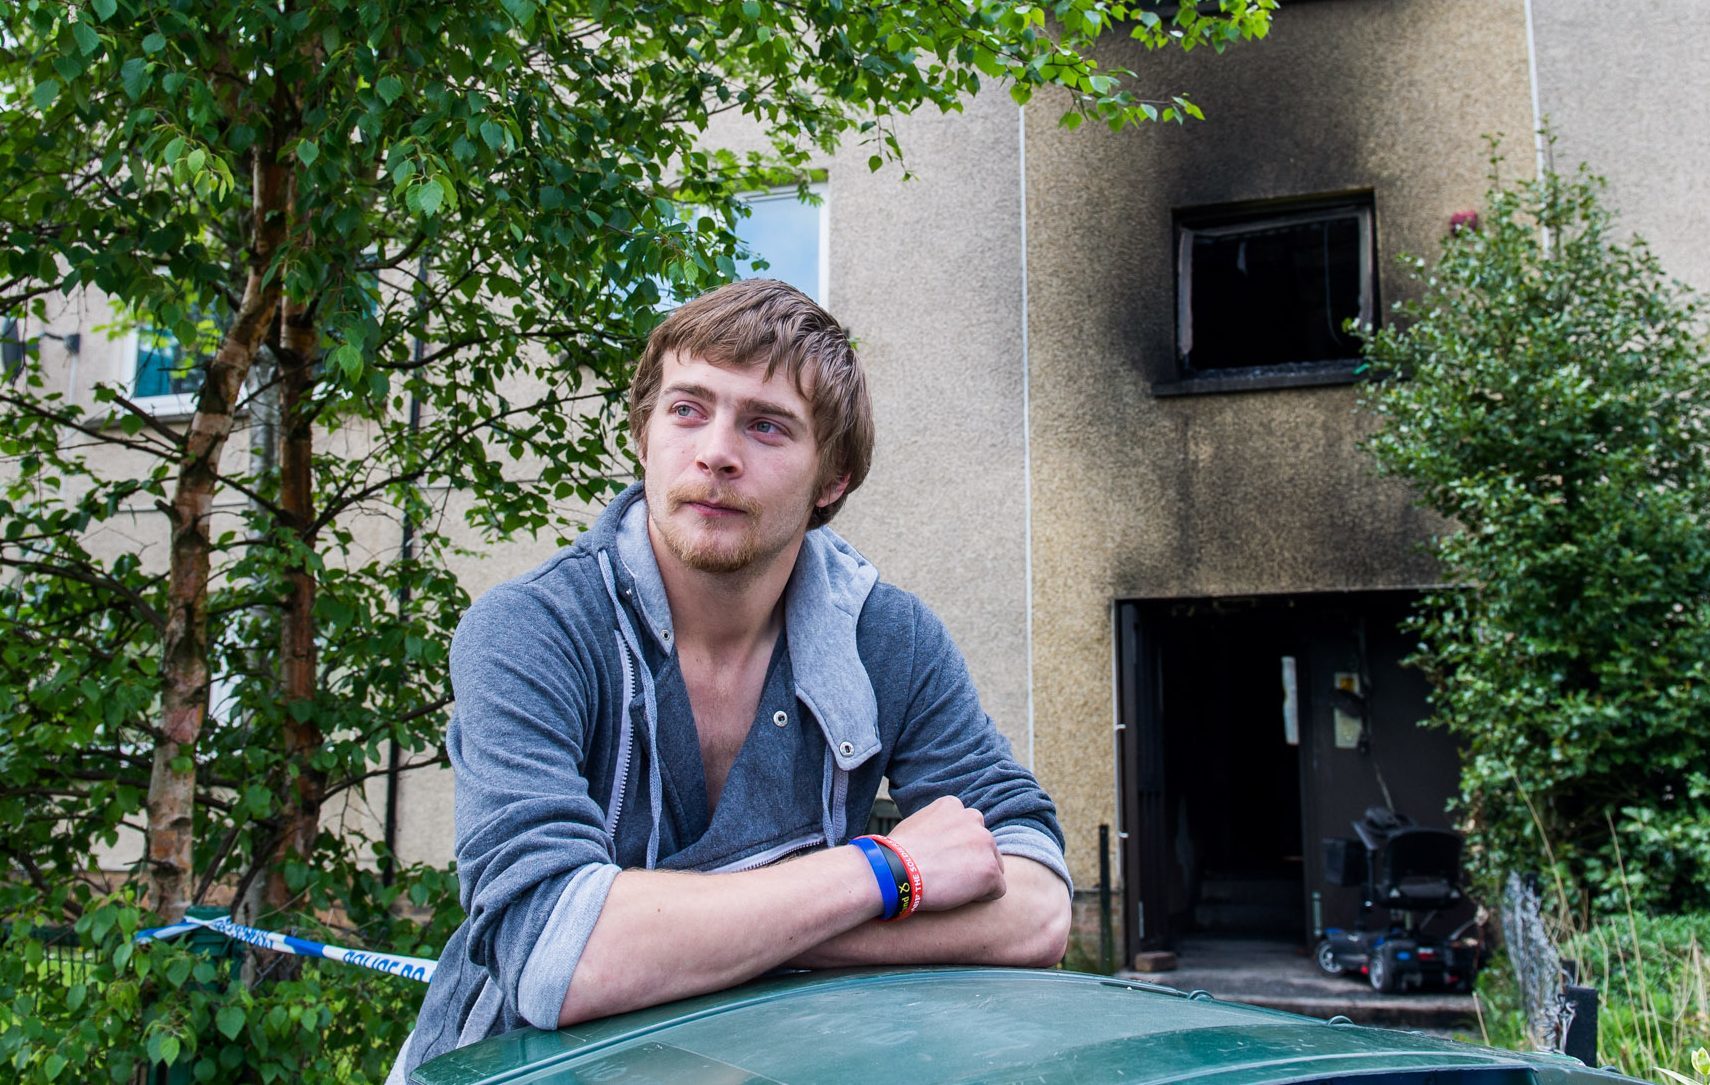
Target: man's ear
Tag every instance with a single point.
(832, 490)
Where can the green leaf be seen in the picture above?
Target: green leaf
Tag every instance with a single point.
(230, 1021)
(348, 359)
(389, 88)
(493, 134)
(87, 40)
(46, 91)
(133, 74)
(55, 1063)
(104, 9)
(307, 151)
(169, 1047)
(177, 971)
(154, 43)
(428, 197)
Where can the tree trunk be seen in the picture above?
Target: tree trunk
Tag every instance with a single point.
(184, 651)
(300, 814)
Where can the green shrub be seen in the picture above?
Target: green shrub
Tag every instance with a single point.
(1551, 400)
(116, 1004)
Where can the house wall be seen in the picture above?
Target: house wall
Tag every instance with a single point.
(1136, 496)
(1621, 89)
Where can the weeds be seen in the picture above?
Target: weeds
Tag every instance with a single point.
(1652, 974)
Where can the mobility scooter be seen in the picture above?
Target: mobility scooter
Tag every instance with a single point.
(1408, 876)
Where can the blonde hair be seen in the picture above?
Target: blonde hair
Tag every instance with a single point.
(765, 322)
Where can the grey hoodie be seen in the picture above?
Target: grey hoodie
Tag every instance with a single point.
(575, 756)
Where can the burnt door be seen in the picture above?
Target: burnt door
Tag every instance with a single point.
(1142, 833)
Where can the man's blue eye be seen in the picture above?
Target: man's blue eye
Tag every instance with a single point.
(770, 427)
(681, 410)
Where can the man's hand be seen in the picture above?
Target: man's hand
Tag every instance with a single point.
(958, 859)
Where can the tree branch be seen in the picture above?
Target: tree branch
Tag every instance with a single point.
(94, 580)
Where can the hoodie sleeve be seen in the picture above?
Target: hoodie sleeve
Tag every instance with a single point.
(949, 746)
(534, 858)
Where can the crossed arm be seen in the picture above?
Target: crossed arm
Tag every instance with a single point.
(665, 935)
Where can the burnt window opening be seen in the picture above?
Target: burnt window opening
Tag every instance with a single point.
(1273, 291)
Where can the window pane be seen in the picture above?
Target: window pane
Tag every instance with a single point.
(158, 356)
(785, 231)
(1275, 293)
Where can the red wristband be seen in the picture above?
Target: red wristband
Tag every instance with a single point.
(917, 889)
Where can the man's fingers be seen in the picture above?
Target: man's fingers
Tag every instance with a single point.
(958, 858)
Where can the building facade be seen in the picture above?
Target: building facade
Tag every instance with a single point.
(1119, 422)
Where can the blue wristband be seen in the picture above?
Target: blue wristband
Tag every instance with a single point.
(882, 871)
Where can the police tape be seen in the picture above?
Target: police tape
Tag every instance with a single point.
(412, 968)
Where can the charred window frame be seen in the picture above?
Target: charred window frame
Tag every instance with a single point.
(1263, 291)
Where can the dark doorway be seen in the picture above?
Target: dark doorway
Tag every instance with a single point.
(1233, 819)
(1239, 755)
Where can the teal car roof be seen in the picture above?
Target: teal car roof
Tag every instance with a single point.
(975, 1025)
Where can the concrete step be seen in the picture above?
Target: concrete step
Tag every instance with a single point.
(1280, 975)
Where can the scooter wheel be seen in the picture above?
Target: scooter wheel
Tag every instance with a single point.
(1382, 971)
(1328, 963)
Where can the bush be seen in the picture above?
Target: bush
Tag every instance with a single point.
(96, 1012)
(1550, 398)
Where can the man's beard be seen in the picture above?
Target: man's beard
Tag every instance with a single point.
(716, 554)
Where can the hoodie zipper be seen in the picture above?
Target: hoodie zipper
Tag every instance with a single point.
(770, 855)
(626, 739)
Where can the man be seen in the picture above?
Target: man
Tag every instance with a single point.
(710, 683)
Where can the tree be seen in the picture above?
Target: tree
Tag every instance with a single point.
(1550, 397)
(405, 246)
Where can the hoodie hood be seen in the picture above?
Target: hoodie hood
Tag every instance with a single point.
(822, 607)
